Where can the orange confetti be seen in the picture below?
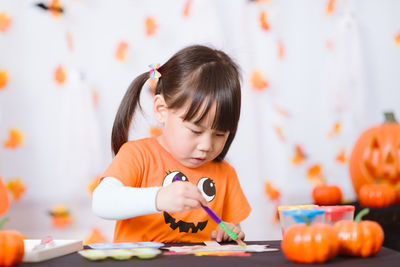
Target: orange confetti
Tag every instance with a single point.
(263, 20)
(15, 139)
(330, 7)
(336, 130)
(314, 174)
(120, 53)
(16, 188)
(279, 131)
(341, 157)
(60, 217)
(258, 81)
(95, 237)
(281, 50)
(155, 131)
(93, 184)
(299, 157)
(5, 22)
(271, 192)
(60, 75)
(397, 39)
(187, 8)
(70, 41)
(151, 26)
(3, 79)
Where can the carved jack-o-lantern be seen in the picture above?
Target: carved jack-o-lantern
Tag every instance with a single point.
(376, 155)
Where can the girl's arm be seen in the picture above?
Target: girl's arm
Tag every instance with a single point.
(114, 201)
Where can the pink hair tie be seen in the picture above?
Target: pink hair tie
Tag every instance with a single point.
(154, 71)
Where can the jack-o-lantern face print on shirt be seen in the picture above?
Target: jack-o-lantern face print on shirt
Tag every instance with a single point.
(206, 187)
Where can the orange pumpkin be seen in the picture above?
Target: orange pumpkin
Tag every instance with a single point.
(359, 238)
(376, 156)
(11, 247)
(377, 195)
(4, 201)
(327, 195)
(310, 243)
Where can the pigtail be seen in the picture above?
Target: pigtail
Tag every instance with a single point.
(126, 112)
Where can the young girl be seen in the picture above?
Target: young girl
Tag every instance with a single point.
(197, 101)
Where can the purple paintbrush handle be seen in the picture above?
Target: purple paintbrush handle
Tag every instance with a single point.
(212, 214)
(207, 209)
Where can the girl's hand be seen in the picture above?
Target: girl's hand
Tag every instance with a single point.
(220, 235)
(179, 196)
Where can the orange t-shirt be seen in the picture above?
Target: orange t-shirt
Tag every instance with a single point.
(145, 163)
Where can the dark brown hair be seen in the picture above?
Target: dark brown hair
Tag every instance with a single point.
(193, 75)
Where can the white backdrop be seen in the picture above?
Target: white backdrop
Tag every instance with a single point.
(339, 68)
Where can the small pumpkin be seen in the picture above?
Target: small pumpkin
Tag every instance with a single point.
(359, 238)
(327, 195)
(377, 195)
(11, 247)
(306, 243)
(376, 156)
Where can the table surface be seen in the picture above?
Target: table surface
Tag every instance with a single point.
(385, 257)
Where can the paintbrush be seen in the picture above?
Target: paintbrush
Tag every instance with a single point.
(220, 222)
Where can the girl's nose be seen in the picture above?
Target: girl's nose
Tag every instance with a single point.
(205, 143)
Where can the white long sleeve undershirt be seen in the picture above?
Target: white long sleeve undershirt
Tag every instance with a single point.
(114, 201)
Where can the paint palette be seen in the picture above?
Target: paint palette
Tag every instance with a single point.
(36, 250)
(119, 254)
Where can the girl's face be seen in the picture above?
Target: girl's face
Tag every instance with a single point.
(189, 143)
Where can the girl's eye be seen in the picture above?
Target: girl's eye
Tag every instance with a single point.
(221, 135)
(207, 188)
(196, 132)
(173, 177)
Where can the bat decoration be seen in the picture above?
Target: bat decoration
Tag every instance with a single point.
(52, 7)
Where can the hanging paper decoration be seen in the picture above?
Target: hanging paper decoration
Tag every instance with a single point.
(5, 22)
(314, 174)
(341, 157)
(54, 7)
(279, 132)
(299, 156)
(3, 79)
(281, 50)
(336, 130)
(282, 111)
(15, 139)
(60, 75)
(93, 184)
(60, 217)
(397, 39)
(264, 22)
(155, 131)
(330, 7)
(95, 97)
(187, 8)
(120, 53)
(70, 41)
(271, 191)
(16, 187)
(95, 237)
(258, 81)
(151, 26)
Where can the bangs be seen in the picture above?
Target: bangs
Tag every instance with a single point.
(214, 86)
